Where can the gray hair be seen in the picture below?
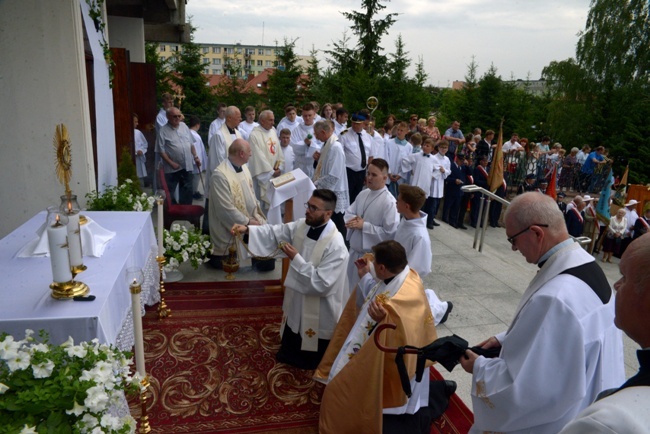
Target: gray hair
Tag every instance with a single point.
(232, 111)
(536, 208)
(323, 125)
(264, 114)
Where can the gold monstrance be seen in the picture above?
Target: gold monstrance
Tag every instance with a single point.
(63, 161)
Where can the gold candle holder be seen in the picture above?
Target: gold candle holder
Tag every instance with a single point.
(64, 290)
(163, 310)
(144, 427)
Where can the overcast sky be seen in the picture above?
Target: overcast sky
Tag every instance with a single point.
(520, 37)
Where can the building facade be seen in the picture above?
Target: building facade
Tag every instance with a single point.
(250, 59)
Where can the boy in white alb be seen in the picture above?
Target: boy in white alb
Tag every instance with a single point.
(372, 217)
(290, 119)
(398, 148)
(287, 151)
(247, 125)
(441, 170)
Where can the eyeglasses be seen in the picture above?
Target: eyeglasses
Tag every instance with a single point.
(312, 208)
(511, 239)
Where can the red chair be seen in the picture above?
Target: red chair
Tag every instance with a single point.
(173, 212)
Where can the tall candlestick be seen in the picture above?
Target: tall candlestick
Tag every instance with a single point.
(57, 233)
(137, 329)
(135, 277)
(160, 198)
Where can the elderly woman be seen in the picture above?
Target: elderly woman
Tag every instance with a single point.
(615, 234)
(431, 130)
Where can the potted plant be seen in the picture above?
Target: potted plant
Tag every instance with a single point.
(125, 197)
(65, 388)
(183, 245)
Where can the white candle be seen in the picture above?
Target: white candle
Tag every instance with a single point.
(161, 251)
(137, 329)
(57, 235)
(74, 240)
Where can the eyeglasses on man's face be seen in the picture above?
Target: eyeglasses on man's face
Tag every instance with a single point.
(512, 239)
(313, 208)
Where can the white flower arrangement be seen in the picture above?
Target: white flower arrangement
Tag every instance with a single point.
(182, 245)
(126, 197)
(63, 388)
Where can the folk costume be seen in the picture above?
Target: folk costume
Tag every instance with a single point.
(560, 351)
(316, 286)
(363, 382)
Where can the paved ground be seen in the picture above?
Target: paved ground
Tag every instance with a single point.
(484, 287)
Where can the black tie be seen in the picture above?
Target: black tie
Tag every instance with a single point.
(426, 155)
(363, 152)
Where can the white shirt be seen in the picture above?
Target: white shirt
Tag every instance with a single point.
(396, 153)
(245, 128)
(332, 173)
(438, 184)
(422, 167)
(352, 150)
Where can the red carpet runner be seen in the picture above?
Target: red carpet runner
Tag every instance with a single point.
(213, 367)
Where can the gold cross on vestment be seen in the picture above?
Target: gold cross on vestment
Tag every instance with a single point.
(310, 333)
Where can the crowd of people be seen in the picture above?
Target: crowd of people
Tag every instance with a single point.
(357, 259)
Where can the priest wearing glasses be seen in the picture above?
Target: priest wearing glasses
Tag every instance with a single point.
(562, 348)
(316, 283)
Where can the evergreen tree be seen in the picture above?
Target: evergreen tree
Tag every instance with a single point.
(162, 69)
(285, 84)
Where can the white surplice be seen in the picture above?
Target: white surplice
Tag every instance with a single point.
(141, 144)
(560, 351)
(438, 184)
(214, 127)
(245, 128)
(286, 123)
(422, 169)
(266, 155)
(304, 155)
(396, 153)
(332, 174)
(380, 219)
(414, 237)
(218, 146)
(379, 148)
(327, 281)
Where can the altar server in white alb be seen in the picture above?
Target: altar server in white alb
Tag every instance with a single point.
(441, 170)
(372, 217)
(247, 125)
(267, 156)
(304, 143)
(199, 169)
(330, 171)
(315, 286)
(141, 146)
(290, 120)
(562, 347)
(412, 234)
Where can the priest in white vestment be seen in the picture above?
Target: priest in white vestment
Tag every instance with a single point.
(304, 143)
(562, 347)
(218, 144)
(316, 283)
(625, 409)
(267, 156)
(232, 200)
(330, 171)
(372, 217)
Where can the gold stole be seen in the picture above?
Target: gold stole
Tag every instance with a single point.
(237, 190)
(310, 317)
(323, 156)
(353, 400)
(227, 137)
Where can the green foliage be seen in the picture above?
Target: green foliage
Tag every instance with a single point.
(61, 388)
(125, 197)
(182, 245)
(188, 77)
(603, 97)
(162, 69)
(284, 84)
(126, 170)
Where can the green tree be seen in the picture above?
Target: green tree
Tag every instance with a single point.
(285, 84)
(162, 69)
(189, 79)
(370, 31)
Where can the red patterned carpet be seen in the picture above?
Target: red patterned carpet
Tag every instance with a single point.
(213, 367)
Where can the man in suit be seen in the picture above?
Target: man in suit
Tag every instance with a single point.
(453, 193)
(480, 176)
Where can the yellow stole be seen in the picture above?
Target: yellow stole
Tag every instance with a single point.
(354, 399)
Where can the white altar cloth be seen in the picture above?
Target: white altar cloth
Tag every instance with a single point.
(26, 301)
(299, 190)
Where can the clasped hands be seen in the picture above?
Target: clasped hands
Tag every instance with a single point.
(355, 223)
(467, 360)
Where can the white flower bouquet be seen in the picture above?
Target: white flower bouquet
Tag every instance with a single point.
(182, 245)
(65, 388)
(126, 197)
